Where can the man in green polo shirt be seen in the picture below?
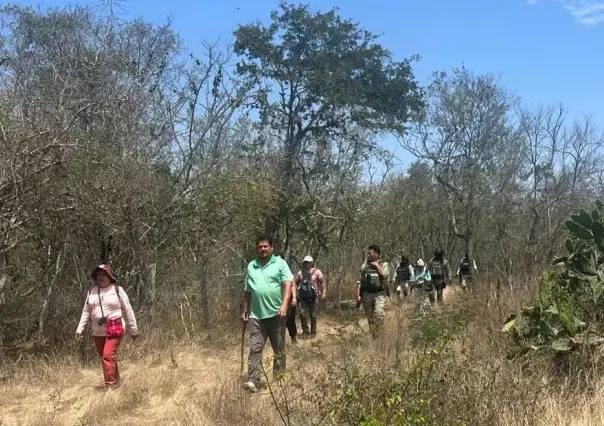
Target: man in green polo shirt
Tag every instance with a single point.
(266, 296)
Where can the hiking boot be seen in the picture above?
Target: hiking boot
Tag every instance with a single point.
(294, 340)
(313, 335)
(250, 386)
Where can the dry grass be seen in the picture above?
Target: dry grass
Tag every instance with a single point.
(199, 384)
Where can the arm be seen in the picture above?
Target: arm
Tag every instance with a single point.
(357, 288)
(247, 300)
(86, 313)
(286, 288)
(322, 284)
(294, 288)
(449, 274)
(387, 276)
(127, 308)
(381, 271)
(287, 294)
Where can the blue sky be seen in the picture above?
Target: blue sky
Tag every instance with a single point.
(546, 50)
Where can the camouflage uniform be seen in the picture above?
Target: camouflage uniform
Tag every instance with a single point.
(440, 282)
(374, 301)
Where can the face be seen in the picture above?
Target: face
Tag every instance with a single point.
(307, 266)
(372, 256)
(264, 249)
(102, 279)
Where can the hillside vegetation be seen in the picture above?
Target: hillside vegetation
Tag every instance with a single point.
(120, 144)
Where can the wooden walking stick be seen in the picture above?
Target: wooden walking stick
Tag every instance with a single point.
(242, 342)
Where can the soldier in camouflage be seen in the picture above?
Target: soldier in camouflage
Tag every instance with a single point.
(440, 272)
(372, 289)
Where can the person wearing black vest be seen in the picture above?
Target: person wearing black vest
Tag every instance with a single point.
(466, 270)
(404, 273)
(440, 272)
(372, 290)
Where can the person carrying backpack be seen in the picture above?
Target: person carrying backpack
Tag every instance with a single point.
(440, 272)
(404, 273)
(372, 289)
(105, 307)
(311, 286)
(464, 272)
(422, 280)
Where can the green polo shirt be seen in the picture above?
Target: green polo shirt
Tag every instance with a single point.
(264, 283)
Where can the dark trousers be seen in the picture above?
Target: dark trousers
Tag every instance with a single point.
(308, 309)
(439, 284)
(290, 323)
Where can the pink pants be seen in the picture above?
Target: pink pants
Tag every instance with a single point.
(107, 350)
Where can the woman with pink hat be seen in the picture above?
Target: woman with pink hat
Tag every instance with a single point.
(105, 308)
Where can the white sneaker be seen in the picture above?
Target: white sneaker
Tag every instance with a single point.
(250, 386)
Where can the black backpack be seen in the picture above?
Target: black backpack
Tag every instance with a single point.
(306, 288)
(437, 269)
(465, 267)
(402, 273)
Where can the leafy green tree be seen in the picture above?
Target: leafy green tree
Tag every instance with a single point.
(319, 76)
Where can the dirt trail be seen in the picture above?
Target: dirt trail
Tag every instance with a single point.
(191, 386)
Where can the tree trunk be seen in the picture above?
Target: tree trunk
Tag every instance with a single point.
(152, 271)
(45, 311)
(204, 294)
(469, 240)
(3, 287)
(105, 250)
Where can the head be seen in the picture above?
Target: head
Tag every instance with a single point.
(438, 254)
(307, 263)
(373, 253)
(419, 265)
(466, 257)
(404, 260)
(103, 276)
(264, 246)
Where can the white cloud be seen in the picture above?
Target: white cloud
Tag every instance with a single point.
(587, 12)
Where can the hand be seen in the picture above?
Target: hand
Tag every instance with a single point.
(283, 311)
(78, 337)
(245, 317)
(375, 263)
(359, 299)
(294, 302)
(323, 296)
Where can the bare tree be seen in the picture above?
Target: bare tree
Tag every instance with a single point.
(466, 135)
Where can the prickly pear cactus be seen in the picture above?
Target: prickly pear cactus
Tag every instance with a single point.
(569, 310)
